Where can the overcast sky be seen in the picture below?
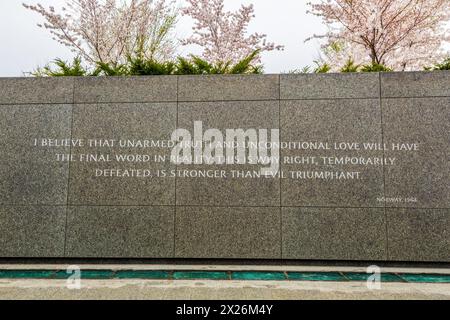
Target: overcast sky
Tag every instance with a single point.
(24, 46)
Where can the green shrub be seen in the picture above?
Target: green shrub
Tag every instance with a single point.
(375, 67)
(305, 69)
(350, 66)
(138, 65)
(110, 70)
(184, 66)
(196, 65)
(245, 65)
(322, 67)
(63, 69)
(445, 65)
(149, 67)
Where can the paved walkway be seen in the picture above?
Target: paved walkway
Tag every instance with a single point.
(199, 289)
(220, 289)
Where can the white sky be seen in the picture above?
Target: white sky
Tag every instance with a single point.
(24, 46)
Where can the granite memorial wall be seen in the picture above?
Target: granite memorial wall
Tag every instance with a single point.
(95, 167)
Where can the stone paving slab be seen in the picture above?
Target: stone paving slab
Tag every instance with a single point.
(217, 290)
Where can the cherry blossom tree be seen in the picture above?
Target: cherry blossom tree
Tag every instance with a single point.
(108, 31)
(403, 34)
(223, 34)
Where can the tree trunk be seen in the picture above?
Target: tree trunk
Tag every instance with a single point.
(374, 56)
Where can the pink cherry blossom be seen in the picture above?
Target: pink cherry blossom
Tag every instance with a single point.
(223, 34)
(403, 34)
(108, 31)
